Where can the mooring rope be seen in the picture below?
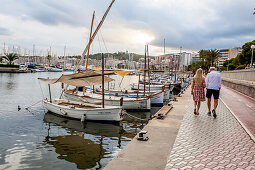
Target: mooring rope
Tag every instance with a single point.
(41, 89)
(136, 117)
(33, 104)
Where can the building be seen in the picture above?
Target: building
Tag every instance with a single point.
(233, 52)
(223, 57)
(227, 54)
(195, 58)
(181, 59)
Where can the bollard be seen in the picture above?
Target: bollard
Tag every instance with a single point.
(83, 118)
(141, 137)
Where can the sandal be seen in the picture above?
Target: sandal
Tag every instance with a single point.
(195, 111)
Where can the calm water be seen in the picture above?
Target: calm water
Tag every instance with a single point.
(35, 139)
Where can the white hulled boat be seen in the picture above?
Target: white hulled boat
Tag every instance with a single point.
(128, 103)
(81, 110)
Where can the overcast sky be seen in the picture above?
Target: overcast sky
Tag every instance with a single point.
(192, 24)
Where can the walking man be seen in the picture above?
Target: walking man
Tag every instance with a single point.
(213, 85)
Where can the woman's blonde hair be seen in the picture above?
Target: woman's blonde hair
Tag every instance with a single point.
(198, 76)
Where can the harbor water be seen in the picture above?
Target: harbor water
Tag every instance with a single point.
(34, 139)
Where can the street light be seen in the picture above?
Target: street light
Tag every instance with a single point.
(252, 47)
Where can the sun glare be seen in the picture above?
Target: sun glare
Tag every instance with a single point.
(143, 38)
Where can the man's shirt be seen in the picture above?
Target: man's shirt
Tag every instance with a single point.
(213, 80)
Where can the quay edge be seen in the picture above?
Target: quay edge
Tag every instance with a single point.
(153, 154)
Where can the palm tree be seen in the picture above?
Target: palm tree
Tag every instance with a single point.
(213, 56)
(10, 57)
(49, 57)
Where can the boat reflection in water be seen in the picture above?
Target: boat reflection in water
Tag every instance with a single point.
(88, 144)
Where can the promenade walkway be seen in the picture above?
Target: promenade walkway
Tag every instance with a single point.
(242, 106)
(204, 142)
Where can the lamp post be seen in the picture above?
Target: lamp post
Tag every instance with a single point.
(252, 47)
(228, 64)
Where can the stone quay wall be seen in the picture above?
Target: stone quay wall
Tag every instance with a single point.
(240, 80)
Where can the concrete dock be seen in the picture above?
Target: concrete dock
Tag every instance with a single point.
(185, 141)
(153, 154)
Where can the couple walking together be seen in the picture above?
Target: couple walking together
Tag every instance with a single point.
(212, 83)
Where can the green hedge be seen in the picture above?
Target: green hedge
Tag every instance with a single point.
(9, 65)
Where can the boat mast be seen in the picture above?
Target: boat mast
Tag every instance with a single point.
(172, 60)
(64, 57)
(94, 34)
(91, 27)
(169, 70)
(149, 68)
(34, 53)
(102, 80)
(144, 72)
(164, 53)
(138, 84)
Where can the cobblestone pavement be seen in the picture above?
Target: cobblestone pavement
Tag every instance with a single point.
(207, 143)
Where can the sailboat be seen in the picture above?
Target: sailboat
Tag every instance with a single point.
(80, 110)
(112, 98)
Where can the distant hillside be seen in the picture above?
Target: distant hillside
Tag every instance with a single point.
(120, 56)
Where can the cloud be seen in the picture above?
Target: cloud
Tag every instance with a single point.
(192, 24)
(4, 31)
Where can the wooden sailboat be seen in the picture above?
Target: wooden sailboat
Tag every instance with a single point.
(112, 98)
(128, 103)
(80, 110)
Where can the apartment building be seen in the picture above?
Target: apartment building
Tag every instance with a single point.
(227, 54)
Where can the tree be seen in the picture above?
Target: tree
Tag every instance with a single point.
(213, 56)
(194, 66)
(49, 57)
(208, 58)
(245, 56)
(10, 57)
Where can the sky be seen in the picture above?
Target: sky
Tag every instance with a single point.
(130, 24)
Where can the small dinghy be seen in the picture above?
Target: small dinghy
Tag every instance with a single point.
(84, 111)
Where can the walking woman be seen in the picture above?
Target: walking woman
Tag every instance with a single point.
(197, 90)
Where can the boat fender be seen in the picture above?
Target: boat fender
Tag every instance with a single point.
(83, 117)
(121, 101)
(122, 113)
(63, 111)
(163, 88)
(72, 107)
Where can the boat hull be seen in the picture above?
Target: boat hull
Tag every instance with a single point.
(141, 87)
(157, 99)
(112, 114)
(134, 104)
(166, 94)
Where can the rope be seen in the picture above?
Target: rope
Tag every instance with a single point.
(41, 90)
(135, 117)
(98, 38)
(33, 104)
(103, 41)
(100, 32)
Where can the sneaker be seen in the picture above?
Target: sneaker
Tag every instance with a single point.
(214, 113)
(209, 113)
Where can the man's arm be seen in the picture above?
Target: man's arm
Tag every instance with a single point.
(219, 81)
(206, 80)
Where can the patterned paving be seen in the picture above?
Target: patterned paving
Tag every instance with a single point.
(207, 143)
